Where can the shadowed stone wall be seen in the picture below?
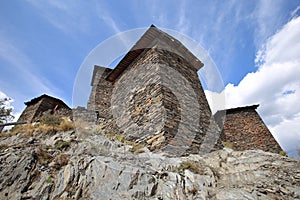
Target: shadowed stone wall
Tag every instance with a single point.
(100, 96)
(159, 101)
(29, 113)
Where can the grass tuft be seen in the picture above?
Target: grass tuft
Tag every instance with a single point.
(3, 147)
(190, 165)
(61, 160)
(227, 144)
(62, 145)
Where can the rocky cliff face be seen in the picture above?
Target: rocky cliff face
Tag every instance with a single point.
(86, 164)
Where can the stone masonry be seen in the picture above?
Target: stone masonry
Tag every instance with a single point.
(80, 114)
(100, 96)
(156, 98)
(244, 130)
(43, 104)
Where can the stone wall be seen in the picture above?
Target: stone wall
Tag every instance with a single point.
(206, 132)
(29, 113)
(48, 106)
(100, 96)
(80, 114)
(159, 101)
(41, 105)
(244, 130)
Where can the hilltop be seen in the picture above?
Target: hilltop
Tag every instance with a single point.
(93, 163)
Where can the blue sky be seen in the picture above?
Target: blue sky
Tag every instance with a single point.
(44, 43)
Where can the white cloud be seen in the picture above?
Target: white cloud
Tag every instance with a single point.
(215, 100)
(275, 85)
(288, 133)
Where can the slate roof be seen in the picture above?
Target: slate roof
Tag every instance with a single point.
(147, 41)
(37, 99)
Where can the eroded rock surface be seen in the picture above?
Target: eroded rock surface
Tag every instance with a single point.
(87, 165)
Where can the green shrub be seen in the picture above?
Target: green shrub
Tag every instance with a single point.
(49, 179)
(62, 145)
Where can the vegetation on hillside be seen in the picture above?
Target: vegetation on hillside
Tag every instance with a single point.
(5, 112)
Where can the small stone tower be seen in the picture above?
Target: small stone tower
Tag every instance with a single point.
(243, 129)
(38, 106)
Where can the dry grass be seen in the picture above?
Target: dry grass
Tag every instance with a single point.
(43, 156)
(227, 144)
(66, 126)
(139, 150)
(117, 137)
(3, 147)
(190, 165)
(62, 145)
(136, 147)
(61, 160)
(28, 130)
(283, 153)
(6, 134)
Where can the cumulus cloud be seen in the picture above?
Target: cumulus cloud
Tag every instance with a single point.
(275, 86)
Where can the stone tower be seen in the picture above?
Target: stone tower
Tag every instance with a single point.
(155, 97)
(38, 106)
(243, 129)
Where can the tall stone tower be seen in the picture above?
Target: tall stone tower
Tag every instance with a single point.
(155, 97)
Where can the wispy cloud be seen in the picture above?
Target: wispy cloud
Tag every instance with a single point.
(264, 15)
(24, 67)
(107, 18)
(27, 80)
(295, 12)
(183, 23)
(67, 16)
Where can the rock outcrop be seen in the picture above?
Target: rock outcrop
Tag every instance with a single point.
(87, 164)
